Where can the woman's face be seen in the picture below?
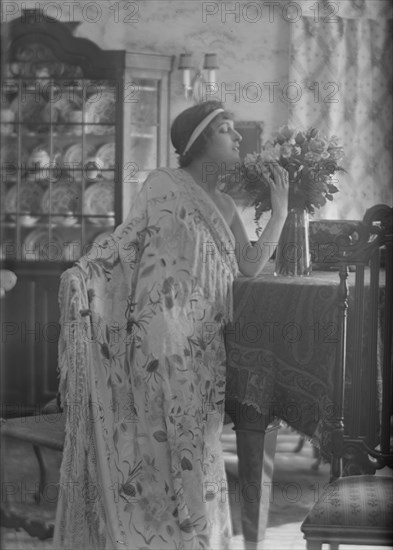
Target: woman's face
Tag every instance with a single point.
(223, 144)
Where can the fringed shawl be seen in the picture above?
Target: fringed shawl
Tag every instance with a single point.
(140, 348)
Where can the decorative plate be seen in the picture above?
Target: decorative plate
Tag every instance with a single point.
(36, 115)
(102, 111)
(9, 159)
(39, 157)
(73, 161)
(73, 154)
(38, 247)
(106, 157)
(30, 198)
(65, 106)
(40, 164)
(99, 201)
(63, 199)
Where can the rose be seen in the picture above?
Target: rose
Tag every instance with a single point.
(285, 133)
(333, 142)
(285, 150)
(313, 157)
(312, 133)
(336, 153)
(251, 160)
(255, 169)
(300, 138)
(250, 172)
(319, 146)
(270, 152)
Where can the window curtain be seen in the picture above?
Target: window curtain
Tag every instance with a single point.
(341, 61)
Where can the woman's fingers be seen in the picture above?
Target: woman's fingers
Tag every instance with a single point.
(265, 170)
(279, 186)
(278, 173)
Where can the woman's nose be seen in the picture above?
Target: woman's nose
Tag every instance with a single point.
(236, 135)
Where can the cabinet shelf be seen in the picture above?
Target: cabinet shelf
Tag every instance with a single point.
(143, 136)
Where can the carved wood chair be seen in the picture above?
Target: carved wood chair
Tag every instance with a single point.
(356, 507)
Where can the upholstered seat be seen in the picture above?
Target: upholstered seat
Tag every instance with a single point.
(354, 509)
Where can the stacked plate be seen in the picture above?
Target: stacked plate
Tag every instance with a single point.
(105, 157)
(99, 200)
(101, 112)
(75, 157)
(39, 247)
(30, 197)
(63, 199)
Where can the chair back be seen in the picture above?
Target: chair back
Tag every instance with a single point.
(362, 424)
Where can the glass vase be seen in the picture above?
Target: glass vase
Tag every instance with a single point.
(293, 249)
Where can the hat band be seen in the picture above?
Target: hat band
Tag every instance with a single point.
(201, 126)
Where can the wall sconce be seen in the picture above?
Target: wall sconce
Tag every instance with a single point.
(191, 88)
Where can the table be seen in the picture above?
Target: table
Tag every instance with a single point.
(281, 351)
(282, 346)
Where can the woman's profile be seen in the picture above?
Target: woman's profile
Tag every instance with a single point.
(142, 356)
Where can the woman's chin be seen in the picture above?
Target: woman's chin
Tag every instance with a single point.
(230, 164)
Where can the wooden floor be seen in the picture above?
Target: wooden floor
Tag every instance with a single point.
(296, 486)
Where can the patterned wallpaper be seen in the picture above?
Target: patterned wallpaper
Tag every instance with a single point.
(346, 72)
(249, 53)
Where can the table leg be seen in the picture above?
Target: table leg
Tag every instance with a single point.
(42, 468)
(256, 446)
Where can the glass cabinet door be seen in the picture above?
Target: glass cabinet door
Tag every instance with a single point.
(142, 129)
(146, 106)
(58, 157)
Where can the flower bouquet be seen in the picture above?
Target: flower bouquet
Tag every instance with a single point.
(311, 161)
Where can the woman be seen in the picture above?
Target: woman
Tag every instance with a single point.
(144, 383)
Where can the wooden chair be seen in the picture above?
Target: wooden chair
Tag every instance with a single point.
(356, 507)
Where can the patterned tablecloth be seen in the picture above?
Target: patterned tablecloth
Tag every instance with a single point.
(282, 348)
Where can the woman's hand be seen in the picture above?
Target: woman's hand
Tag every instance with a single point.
(252, 263)
(279, 187)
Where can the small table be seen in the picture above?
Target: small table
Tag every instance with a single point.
(281, 352)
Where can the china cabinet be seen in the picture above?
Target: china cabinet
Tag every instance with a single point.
(81, 127)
